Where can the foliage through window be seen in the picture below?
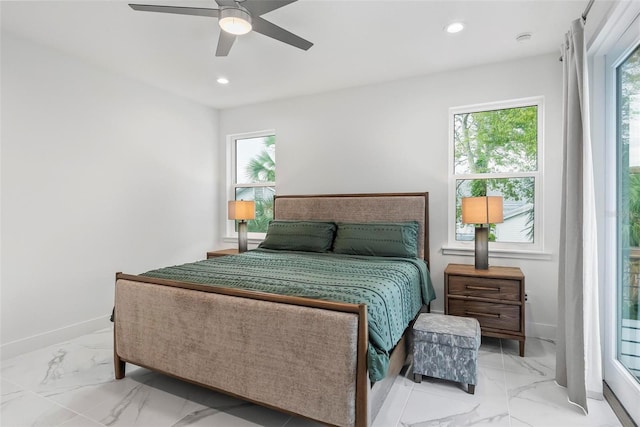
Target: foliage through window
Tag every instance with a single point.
(495, 153)
(254, 175)
(628, 123)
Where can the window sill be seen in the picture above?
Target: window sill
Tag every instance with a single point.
(500, 253)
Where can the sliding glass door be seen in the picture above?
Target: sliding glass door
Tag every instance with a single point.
(628, 132)
(621, 335)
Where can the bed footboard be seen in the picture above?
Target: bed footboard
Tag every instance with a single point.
(300, 356)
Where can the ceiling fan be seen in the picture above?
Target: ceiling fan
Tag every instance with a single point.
(237, 17)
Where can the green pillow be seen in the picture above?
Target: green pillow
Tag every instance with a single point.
(308, 236)
(395, 239)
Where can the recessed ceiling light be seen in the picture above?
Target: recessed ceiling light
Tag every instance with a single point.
(454, 27)
(223, 80)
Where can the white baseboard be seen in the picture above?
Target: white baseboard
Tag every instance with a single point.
(35, 342)
(540, 330)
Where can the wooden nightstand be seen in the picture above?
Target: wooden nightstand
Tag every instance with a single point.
(495, 297)
(222, 252)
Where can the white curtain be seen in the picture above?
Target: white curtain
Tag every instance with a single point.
(578, 356)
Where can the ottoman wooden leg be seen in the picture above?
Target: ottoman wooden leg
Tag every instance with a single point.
(417, 378)
(471, 388)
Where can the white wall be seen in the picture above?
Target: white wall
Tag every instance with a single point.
(392, 137)
(99, 174)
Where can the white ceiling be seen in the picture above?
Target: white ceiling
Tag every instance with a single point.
(356, 42)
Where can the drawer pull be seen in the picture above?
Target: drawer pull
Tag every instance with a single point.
(475, 313)
(482, 288)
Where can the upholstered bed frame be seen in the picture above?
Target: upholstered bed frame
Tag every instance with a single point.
(301, 356)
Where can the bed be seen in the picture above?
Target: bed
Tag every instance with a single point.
(319, 356)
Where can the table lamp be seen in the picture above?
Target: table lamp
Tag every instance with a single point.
(242, 210)
(482, 211)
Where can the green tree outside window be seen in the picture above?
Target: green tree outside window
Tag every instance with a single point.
(255, 177)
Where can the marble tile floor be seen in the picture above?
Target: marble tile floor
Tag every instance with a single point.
(72, 385)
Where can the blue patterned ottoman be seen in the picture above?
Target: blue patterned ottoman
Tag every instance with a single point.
(446, 347)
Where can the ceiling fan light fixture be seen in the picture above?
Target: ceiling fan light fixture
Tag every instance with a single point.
(235, 21)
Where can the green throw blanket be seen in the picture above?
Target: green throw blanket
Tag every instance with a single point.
(392, 288)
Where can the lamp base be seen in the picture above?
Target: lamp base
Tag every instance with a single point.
(242, 236)
(482, 248)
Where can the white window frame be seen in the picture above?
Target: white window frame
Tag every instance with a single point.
(498, 249)
(231, 233)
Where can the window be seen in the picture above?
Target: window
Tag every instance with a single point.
(495, 151)
(253, 176)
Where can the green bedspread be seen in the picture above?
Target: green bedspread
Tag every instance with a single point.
(392, 288)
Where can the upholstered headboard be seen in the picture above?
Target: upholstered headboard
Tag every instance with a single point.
(383, 207)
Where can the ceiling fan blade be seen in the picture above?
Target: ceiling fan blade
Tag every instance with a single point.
(224, 43)
(265, 27)
(260, 7)
(197, 11)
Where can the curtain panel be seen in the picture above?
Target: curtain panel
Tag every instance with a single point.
(578, 354)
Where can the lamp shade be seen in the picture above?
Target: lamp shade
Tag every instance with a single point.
(242, 209)
(482, 210)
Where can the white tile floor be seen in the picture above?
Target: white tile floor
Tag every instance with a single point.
(72, 385)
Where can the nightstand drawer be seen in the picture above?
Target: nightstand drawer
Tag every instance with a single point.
(482, 287)
(490, 315)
